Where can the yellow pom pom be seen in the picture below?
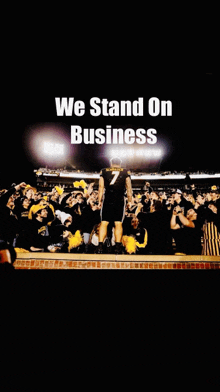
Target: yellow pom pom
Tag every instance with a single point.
(129, 243)
(83, 184)
(59, 190)
(76, 184)
(74, 240)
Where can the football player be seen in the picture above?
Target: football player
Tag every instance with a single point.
(113, 183)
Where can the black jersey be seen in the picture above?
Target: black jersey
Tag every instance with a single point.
(114, 181)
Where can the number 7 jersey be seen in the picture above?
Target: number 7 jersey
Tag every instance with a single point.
(114, 181)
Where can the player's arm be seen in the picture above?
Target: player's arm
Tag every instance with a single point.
(101, 190)
(129, 190)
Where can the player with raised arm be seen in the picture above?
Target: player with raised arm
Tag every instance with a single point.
(113, 183)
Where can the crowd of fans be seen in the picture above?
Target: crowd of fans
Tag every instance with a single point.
(173, 222)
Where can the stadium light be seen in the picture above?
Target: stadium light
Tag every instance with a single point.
(53, 149)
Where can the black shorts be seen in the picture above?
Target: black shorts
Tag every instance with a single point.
(113, 211)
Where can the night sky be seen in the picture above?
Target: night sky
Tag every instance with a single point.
(189, 136)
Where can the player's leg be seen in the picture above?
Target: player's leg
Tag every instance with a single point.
(118, 237)
(103, 231)
(119, 217)
(102, 235)
(118, 231)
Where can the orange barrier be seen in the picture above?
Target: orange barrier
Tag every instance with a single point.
(56, 261)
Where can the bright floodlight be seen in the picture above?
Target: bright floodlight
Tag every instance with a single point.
(53, 149)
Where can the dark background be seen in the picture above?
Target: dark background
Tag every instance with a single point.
(190, 135)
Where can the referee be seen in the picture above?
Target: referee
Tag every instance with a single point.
(113, 183)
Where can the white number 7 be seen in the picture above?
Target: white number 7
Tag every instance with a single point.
(116, 174)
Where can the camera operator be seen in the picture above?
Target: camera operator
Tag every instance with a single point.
(180, 201)
(187, 234)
